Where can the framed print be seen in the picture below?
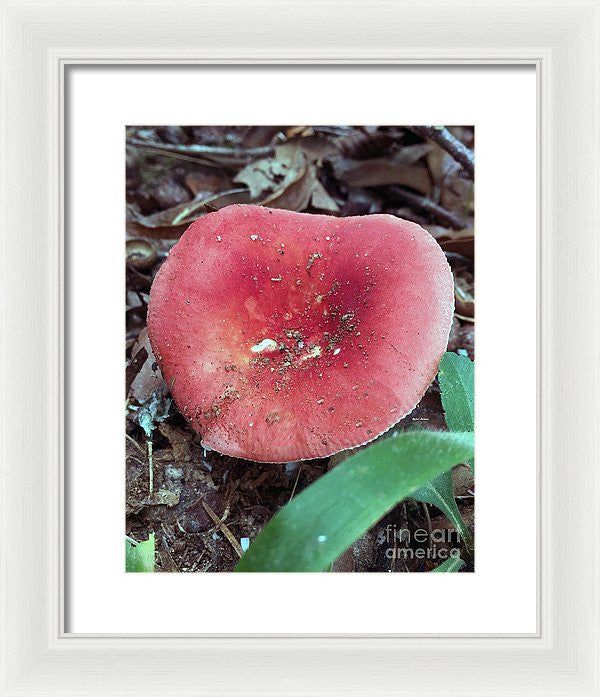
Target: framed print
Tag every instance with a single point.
(300, 273)
(183, 529)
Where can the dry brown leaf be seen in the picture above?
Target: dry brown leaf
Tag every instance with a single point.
(283, 181)
(410, 154)
(365, 144)
(442, 233)
(316, 148)
(457, 196)
(179, 442)
(207, 181)
(257, 136)
(149, 376)
(402, 169)
(464, 296)
(292, 131)
(442, 166)
(272, 175)
(297, 195)
(462, 245)
(171, 223)
(322, 200)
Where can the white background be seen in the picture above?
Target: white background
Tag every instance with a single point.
(500, 597)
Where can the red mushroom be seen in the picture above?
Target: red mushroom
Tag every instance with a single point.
(286, 336)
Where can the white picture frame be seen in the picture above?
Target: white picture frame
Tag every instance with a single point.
(38, 40)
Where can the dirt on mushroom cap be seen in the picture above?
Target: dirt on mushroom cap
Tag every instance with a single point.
(287, 336)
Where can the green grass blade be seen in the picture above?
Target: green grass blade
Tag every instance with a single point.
(451, 565)
(457, 383)
(327, 517)
(440, 493)
(140, 557)
(456, 378)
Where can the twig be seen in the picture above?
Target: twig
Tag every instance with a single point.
(205, 150)
(150, 467)
(224, 529)
(169, 556)
(295, 483)
(135, 459)
(195, 564)
(134, 442)
(428, 206)
(442, 136)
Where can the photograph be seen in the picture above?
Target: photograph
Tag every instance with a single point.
(299, 348)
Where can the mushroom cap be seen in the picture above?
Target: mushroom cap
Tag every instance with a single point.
(287, 336)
